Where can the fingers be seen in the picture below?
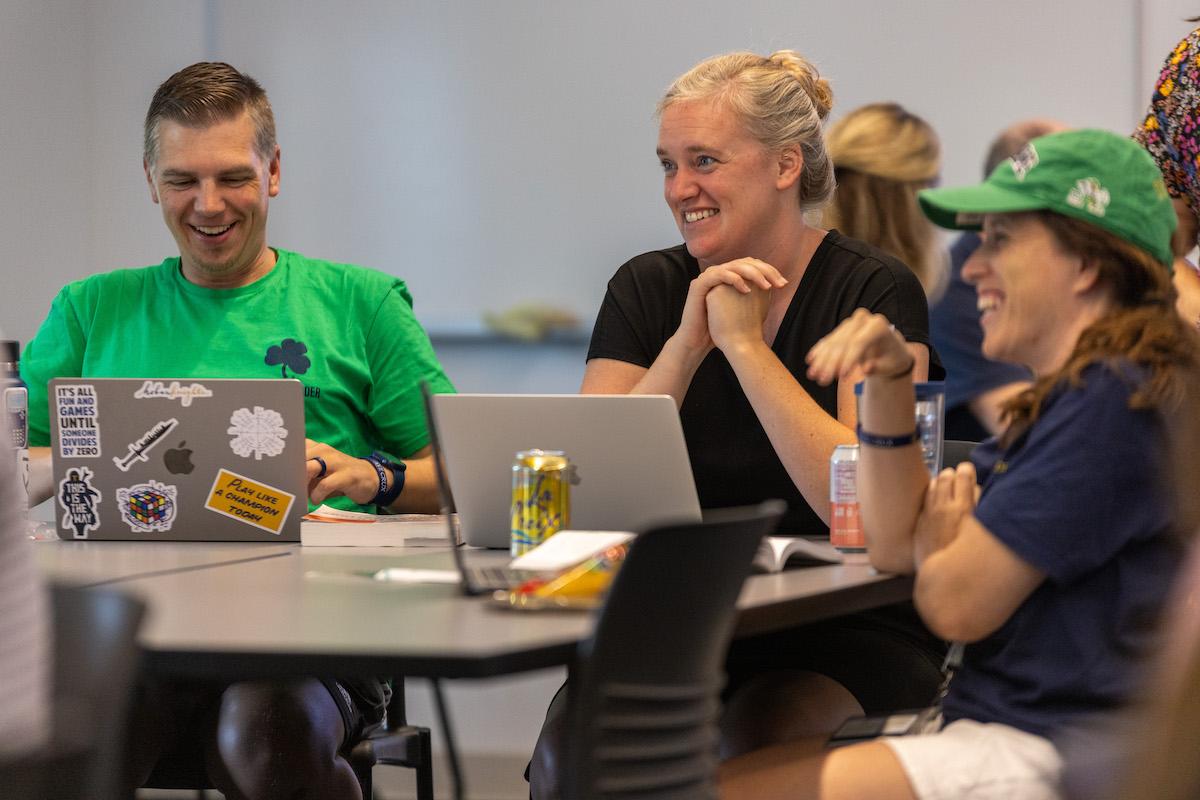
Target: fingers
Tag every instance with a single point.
(332, 473)
(864, 341)
(965, 484)
(316, 467)
(953, 486)
(336, 483)
(743, 274)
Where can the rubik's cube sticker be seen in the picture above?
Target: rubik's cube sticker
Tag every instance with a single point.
(147, 507)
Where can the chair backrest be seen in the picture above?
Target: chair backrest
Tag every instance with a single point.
(644, 694)
(956, 451)
(95, 664)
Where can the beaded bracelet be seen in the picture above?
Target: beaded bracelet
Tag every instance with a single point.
(874, 440)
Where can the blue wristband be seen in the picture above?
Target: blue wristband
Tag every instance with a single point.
(386, 494)
(873, 440)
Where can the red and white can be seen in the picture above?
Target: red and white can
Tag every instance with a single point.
(845, 524)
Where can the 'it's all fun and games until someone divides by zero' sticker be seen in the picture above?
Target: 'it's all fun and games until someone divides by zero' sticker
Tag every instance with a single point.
(78, 420)
(248, 501)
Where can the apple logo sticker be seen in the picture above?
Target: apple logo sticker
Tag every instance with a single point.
(178, 460)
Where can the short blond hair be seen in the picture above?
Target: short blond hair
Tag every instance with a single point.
(204, 94)
(780, 99)
(882, 156)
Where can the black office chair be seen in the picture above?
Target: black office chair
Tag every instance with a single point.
(396, 744)
(956, 451)
(95, 664)
(644, 693)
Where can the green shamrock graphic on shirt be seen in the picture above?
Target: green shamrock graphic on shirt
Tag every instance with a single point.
(289, 353)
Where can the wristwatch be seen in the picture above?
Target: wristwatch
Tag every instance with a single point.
(387, 494)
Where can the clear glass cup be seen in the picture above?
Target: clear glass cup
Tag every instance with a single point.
(930, 414)
(931, 422)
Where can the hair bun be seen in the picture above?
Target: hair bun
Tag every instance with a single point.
(803, 70)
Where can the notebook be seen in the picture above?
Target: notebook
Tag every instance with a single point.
(178, 459)
(627, 450)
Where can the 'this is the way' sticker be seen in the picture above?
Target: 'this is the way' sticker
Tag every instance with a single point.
(250, 502)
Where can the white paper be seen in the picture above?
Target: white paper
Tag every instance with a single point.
(403, 575)
(387, 575)
(395, 530)
(568, 548)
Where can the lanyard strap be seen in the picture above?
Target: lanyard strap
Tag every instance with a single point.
(953, 660)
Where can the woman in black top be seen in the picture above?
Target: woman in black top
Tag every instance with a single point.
(722, 323)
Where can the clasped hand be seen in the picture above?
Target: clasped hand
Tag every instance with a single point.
(864, 343)
(950, 498)
(728, 303)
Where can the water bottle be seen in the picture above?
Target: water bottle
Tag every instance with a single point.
(16, 406)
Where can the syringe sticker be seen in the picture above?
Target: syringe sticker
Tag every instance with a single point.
(144, 444)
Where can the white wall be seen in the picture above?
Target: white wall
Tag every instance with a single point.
(492, 152)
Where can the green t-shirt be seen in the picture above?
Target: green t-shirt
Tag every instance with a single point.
(347, 333)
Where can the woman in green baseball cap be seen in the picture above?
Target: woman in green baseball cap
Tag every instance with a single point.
(1048, 553)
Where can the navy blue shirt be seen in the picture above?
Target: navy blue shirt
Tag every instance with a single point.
(954, 328)
(1083, 498)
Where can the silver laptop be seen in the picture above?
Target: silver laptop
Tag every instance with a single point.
(628, 452)
(178, 459)
(474, 579)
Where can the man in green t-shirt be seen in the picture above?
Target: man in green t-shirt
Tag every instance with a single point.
(231, 306)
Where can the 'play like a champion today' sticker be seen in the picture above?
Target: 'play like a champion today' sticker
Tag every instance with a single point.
(248, 501)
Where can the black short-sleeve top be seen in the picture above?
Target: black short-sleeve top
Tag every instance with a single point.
(732, 459)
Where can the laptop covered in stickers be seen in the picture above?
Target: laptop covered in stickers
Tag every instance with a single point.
(178, 459)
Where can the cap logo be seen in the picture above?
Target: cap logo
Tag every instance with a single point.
(1089, 195)
(1025, 160)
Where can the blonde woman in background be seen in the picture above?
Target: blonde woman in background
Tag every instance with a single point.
(882, 156)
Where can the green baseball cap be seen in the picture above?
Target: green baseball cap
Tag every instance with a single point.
(1096, 176)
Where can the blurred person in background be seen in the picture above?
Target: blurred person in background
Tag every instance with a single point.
(883, 155)
(1170, 132)
(976, 386)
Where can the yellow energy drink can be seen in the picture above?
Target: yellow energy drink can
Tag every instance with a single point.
(541, 497)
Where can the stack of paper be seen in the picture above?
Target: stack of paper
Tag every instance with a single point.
(331, 527)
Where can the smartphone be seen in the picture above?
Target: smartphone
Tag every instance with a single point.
(900, 723)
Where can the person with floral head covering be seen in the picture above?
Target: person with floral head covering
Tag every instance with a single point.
(1171, 132)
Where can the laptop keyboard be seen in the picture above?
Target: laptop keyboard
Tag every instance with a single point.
(497, 577)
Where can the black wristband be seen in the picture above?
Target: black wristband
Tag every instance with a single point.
(874, 440)
(386, 494)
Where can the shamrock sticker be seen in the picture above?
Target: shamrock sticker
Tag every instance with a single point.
(290, 354)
